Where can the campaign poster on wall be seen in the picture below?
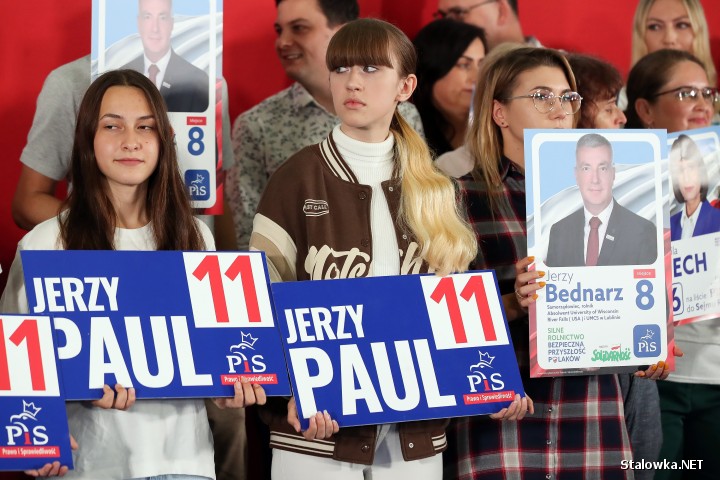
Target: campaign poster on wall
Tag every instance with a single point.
(397, 348)
(595, 226)
(33, 422)
(694, 185)
(178, 45)
(170, 324)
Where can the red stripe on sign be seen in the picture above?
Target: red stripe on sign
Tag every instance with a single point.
(489, 397)
(29, 452)
(197, 120)
(644, 273)
(259, 378)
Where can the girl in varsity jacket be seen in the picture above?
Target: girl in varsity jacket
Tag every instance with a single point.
(366, 201)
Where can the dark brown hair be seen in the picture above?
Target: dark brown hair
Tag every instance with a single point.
(90, 221)
(648, 77)
(597, 81)
(337, 12)
(439, 45)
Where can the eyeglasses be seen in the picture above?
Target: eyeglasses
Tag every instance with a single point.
(683, 93)
(544, 101)
(459, 13)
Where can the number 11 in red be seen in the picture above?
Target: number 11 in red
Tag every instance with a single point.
(210, 267)
(474, 287)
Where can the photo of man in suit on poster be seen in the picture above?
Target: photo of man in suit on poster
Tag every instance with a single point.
(602, 232)
(183, 86)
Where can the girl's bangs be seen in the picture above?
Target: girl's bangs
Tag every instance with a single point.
(356, 46)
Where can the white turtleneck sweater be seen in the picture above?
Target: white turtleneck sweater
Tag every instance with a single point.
(372, 164)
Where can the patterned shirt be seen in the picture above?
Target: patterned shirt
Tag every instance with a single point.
(267, 135)
(578, 429)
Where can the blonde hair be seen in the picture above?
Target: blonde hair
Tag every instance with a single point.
(701, 42)
(497, 81)
(429, 205)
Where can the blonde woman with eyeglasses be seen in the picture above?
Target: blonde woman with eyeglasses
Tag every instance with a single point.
(576, 428)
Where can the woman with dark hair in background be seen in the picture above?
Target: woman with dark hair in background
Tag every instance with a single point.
(449, 56)
(670, 89)
(599, 83)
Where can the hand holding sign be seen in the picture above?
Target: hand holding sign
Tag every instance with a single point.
(246, 394)
(54, 469)
(321, 427)
(526, 284)
(517, 409)
(120, 399)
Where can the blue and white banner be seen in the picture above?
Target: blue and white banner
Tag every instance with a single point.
(182, 40)
(694, 184)
(595, 216)
(170, 324)
(399, 348)
(33, 422)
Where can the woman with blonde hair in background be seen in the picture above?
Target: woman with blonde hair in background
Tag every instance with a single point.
(674, 24)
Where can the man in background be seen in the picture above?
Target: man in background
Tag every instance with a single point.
(499, 19)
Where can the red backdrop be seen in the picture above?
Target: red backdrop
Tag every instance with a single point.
(40, 35)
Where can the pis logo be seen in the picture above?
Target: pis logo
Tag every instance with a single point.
(646, 340)
(22, 432)
(198, 184)
(479, 380)
(245, 363)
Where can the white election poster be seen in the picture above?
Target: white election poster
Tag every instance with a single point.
(595, 217)
(178, 45)
(694, 184)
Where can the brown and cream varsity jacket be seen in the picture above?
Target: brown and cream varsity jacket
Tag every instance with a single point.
(313, 223)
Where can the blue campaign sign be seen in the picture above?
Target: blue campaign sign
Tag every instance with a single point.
(170, 324)
(392, 349)
(33, 422)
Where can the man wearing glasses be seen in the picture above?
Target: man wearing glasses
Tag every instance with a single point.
(602, 232)
(499, 19)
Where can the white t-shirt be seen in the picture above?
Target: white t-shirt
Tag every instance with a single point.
(153, 437)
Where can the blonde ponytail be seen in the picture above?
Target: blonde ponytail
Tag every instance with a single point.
(429, 204)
